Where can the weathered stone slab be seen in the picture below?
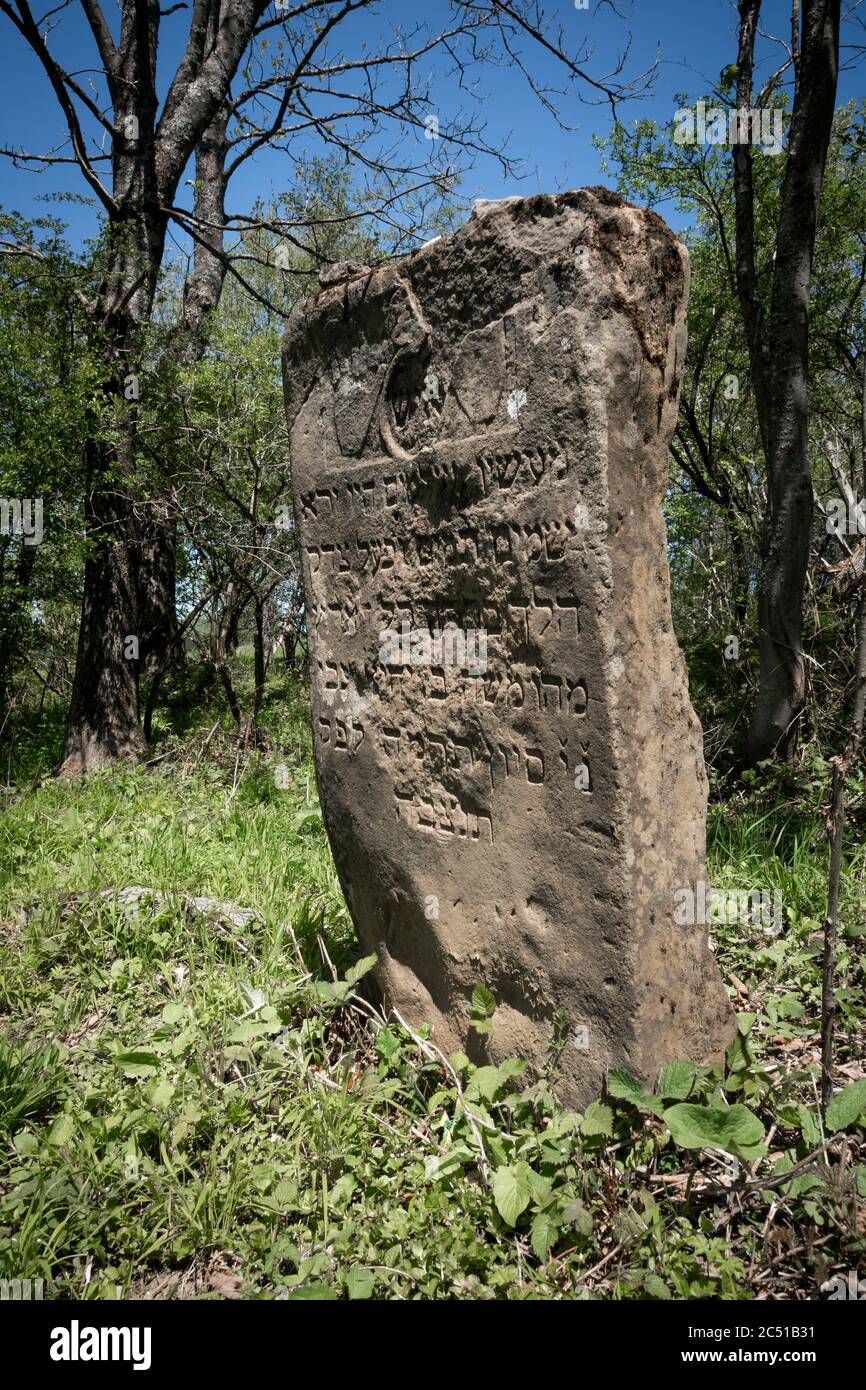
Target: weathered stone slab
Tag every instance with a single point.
(479, 442)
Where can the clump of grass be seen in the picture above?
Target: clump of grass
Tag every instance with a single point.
(31, 1084)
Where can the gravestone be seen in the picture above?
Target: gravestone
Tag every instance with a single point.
(509, 767)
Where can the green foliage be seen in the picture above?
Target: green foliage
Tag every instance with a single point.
(848, 1107)
(482, 1010)
(48, 379)
(734, 1128)
(511, 1190)
(31, 1084)
(677, 1080)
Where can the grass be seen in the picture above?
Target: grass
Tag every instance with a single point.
(191, 1105)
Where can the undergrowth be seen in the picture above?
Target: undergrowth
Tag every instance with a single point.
(196, 1099)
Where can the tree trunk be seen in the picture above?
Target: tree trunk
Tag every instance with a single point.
(147, 162)
(221, 622)
(160, 646)
(261, 670)
(103, 724)
(778, 351)
(782, 664)
(14, 605)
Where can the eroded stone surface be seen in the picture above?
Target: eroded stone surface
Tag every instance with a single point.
(479, 439)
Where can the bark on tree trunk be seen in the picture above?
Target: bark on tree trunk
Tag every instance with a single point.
(778, 351)
(103, 724)
(147, 161)
(156, 584)
(160, 645)
(15, 602)
(103, 721)
(260, 671)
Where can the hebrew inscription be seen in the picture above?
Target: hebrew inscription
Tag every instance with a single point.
(500, 714)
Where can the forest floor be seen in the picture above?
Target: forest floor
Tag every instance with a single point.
(196, 1101)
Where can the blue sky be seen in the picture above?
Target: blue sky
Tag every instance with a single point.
(694, 39)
